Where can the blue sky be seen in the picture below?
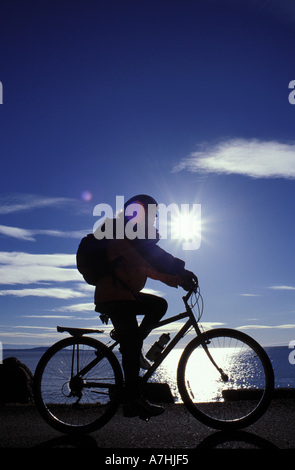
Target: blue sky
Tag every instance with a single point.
(184, 100)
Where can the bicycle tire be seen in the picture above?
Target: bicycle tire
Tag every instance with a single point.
(55, 396)
(220, 404)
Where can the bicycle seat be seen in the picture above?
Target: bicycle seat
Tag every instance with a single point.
(77, 331)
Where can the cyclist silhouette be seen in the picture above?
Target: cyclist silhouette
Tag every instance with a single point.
(135, 258)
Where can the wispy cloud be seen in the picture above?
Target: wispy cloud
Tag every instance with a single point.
(282, 288)
(19, 258)
(259, 327)
(24, 202)
(250, 295)
(159, 293)
(82, 307)
(15, 232)
(254, 158)
(55, 292)
(27, 268)
(28, 234)
(58, 317)
(24, 334)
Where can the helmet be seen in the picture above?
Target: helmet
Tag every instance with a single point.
(145, 212)
(142, 199)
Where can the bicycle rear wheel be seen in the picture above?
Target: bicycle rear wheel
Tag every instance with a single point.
(241, 395)
(77, 384)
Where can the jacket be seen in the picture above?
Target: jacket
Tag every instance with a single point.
(135, 262)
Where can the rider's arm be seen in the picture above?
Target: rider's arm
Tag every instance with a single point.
(169, 279)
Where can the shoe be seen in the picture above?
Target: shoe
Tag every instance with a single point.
(144, 363)
(141, 408)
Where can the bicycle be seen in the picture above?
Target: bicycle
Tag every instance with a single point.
(224, 376)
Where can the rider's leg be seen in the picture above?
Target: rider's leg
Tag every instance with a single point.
(131, 340)
(127, 332)
(153, 308)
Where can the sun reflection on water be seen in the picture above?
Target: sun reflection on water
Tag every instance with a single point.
(203, 380)
(166, 373)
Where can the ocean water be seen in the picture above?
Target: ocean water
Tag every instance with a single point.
(284, 370)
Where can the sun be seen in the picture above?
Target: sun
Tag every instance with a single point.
(185, 225)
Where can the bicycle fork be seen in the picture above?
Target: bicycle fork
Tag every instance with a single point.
(204, 343)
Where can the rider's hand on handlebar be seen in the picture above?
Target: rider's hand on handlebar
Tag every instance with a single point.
(190, 281)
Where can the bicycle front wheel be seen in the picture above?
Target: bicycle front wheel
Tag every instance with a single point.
(77, 385)
(236, 390)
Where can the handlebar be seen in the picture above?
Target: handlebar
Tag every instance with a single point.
(192, 288)
(197, 302)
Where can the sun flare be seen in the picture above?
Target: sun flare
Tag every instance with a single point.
(185, 225)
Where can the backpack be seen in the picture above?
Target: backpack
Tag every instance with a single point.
(92, 259)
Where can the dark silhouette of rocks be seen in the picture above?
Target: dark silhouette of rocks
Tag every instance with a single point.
(16, 382)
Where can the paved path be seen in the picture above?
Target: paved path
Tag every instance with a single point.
(22, 427)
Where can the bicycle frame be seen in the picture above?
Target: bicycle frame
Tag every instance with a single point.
(191, 322)
(179, 335)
